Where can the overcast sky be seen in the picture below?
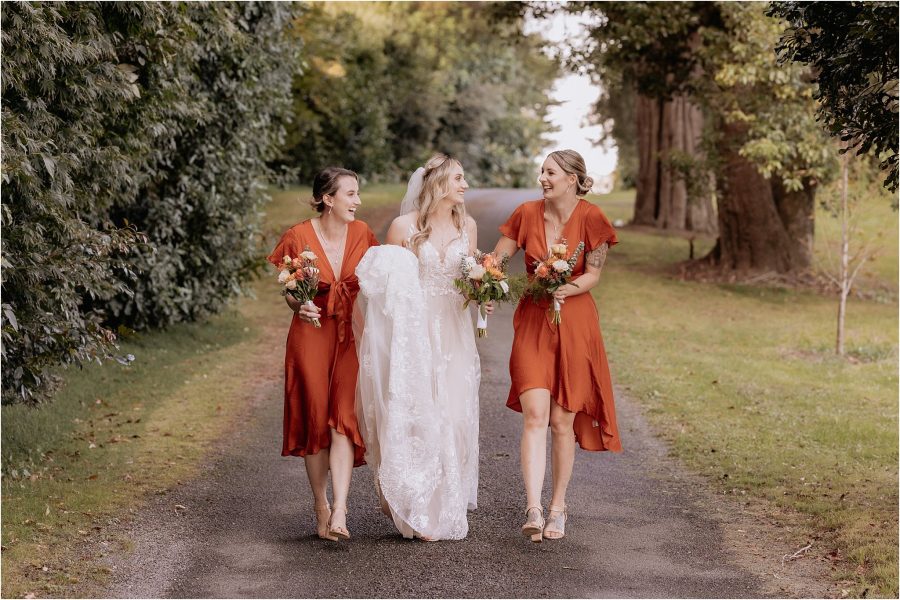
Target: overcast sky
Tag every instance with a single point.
(577, 95)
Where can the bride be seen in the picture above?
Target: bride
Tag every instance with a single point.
(417, 394)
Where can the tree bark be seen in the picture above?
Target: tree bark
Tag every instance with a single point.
(662, 199)
(756, 229)
(647, 113)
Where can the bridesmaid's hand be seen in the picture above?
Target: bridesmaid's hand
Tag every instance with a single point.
(564, 292)
(488, 307)
(308, 312)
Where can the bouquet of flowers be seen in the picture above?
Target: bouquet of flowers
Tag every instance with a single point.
(483, 279)
(300, 278)
(554, 272)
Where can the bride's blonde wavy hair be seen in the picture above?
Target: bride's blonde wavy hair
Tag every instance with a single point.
(435, 187)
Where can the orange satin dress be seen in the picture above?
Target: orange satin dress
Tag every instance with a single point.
(320, 364)
(568, 359)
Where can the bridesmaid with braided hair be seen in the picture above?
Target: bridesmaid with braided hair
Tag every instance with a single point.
(559, 372)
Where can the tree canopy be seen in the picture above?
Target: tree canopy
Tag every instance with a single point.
(386, 84)
(852, 50)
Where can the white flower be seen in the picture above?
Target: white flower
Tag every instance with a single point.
(560, 266)
(470, 262)
(308, 255)
(504, 286)
(291, 285)
(476, 272)
(282, 277)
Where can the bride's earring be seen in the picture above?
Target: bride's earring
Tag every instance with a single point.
(330, 209)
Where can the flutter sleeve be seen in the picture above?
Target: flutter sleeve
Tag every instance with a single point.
(598, 230)
(288, 245)
(514, 228)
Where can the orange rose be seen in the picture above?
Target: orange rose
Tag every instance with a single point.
(542, 271)
(488, 261)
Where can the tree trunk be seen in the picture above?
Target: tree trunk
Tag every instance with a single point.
(647, 113)
(797, 212)
(756, 224)
(663, 198)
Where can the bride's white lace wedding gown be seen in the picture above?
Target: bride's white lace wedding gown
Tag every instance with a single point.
(417, 393)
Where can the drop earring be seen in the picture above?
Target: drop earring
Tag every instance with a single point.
(330, 209)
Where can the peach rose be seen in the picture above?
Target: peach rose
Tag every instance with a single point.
(291, 284)
(559, 250)
(309, 255)
(542, 271)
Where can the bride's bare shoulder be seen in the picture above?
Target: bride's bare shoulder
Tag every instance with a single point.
(399, 229)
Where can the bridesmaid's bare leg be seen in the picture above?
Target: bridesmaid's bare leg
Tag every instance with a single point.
(562, 456)
(562, 460)
(536, 413)
(341, 461)
(317, 472)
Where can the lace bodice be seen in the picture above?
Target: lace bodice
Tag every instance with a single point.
(437, 274)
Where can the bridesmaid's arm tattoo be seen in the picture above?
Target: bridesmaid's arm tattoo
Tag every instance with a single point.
(595, 258)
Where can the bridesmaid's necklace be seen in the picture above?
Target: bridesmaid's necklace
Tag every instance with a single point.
(558, 224)
(332, 249)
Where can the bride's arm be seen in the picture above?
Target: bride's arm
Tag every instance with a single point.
(397, 232)
(472, 232)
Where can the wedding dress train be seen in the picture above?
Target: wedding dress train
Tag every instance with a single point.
(417, 393)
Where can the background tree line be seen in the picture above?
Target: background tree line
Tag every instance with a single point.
(388, 83)
(139, 139)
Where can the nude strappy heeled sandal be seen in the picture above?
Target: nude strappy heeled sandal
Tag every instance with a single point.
(534, 524)
(323, 518)
(555, 529)
(340, 533)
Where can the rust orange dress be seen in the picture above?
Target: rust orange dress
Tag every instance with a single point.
(568, 359)
(320, 364)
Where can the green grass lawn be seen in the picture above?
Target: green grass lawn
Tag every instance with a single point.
(744, 384)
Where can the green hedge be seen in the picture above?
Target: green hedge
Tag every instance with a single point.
(135, 142)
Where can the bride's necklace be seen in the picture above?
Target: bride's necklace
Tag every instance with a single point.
(332, 249)
(441, 243)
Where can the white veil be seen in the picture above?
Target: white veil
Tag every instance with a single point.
(413, 190)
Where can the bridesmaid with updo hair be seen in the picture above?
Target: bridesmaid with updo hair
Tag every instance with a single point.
(559, 372)
(320, 364)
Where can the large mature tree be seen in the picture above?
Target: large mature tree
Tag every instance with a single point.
(852, 50)
(761, 141)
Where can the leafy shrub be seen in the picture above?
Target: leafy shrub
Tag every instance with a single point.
(134, 139)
